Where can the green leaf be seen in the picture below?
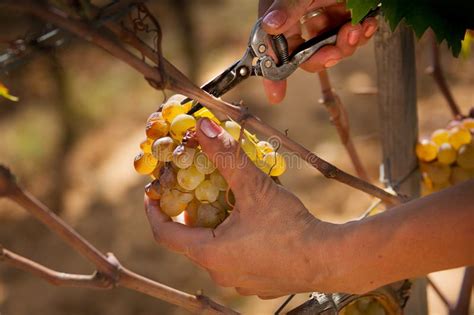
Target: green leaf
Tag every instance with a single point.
(448, 19)
(359, 8)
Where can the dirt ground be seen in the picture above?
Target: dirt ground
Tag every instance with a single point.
(72, 138)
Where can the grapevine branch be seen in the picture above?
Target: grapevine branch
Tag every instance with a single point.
(435, 70)
(178, 82)
(110, 273)
(338, 116)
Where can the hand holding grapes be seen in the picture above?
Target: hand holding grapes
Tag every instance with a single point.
(254, 249)
(283, 16)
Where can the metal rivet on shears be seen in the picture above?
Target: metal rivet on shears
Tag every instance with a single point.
(267, 64)
(243, 71)
(262, 48)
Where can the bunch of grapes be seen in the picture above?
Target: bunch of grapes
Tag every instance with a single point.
(447, 157)
(186, 183)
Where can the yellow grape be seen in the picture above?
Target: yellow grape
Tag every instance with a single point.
(144, 163)
(426, 150)
(446, 154)
(218, 181)
(176, 98)
(228, 202)
(189, 178)
(440, 136)
(206, 192)
(459, 136)
(163, 148)
(468, 123)
(351, 309)
(145, 145)
(153, 190)
(232, 128)
(180, 124)
(183, 196)
(438, 173)
(191, 212)
(156, 127)
(264, 147)
(172, 109)
(375, 308)
(209, 216)
(203, 164)
(459, 175)
(170, 204)
(466, 156)
(275, 164)
(183, 156)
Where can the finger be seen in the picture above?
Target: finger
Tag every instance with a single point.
(369, 27)
(274, 90)
(348, 38)
(243, 177)
(283, 14)
(174, 236)
(326, 57)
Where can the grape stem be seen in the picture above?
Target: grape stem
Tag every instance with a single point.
(110, 273)
(436, 71)
(338, 116)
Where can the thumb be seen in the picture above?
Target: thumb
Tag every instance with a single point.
(283, 14)
(231, 161)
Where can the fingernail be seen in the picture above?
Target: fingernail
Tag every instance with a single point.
(331, 62)
(210, 128)
(275, 19)
(353, 37)
(370, 31)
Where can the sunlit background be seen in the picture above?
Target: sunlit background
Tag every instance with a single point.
(72, 137)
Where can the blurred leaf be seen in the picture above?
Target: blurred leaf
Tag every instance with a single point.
(467, 44)
(360, 8)
(5, 93)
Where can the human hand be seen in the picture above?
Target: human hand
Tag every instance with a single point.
(262, 248)
(283, 17)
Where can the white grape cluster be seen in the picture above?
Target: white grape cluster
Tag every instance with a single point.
(185, 181)
(447, 157)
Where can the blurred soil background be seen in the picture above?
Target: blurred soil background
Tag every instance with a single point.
(72, 137)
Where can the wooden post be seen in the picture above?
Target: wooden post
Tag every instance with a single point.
(396, 72)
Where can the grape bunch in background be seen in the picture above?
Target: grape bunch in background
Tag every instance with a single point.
(447, 157)
(186, 183)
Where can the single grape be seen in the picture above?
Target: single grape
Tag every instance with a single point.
(189, 178)
(156, 172)
(459, 175)
(153, 190)
(438, 173)
(172, 109)
(167, 177)
(183, 196)
(446, 154)
(203, 164)
(468, 123)
(156, 127)
(206, 192)
(209, 216)
(218, 181)
(145, 145)
(426, 150)
(351, 309)
(363, 303)
(191, 213)
(144, 163)
(232, 128)
(180, 124)
(183, 157)
(171, 205)
(176, 98)
(264, 147)
(440, 136)
(226, 200)
(459, 136)
(466, 156)
(163, 148)
(275, 164)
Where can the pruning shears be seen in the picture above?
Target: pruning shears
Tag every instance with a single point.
(257, 61)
